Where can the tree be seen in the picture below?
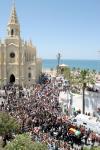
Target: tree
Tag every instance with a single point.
(74, 78)
(73, 69)
(8, 125)
(24, 142)
(93, 148)
(66, 72)
(85, 77)
(80, 79)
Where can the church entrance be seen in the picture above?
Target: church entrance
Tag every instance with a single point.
(12, 78)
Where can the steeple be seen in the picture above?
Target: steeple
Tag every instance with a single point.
(13, 27)
(13, 18)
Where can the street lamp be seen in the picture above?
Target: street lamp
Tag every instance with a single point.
(58, 61)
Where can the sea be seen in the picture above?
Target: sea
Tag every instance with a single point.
(82, 64)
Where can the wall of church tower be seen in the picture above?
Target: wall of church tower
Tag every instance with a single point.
(13, 30)
(12, 59)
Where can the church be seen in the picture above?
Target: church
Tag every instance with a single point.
(18, 58)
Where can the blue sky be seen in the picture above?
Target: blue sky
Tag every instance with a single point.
(71, 27)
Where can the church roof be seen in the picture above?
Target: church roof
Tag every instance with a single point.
(13, 17)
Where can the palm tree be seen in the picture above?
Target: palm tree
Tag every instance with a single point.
(66, 71)
(81, 79)
(73, 78)
(85, 77)
(73, 69)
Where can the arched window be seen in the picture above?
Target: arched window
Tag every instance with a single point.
(12, 32)
(29, 75)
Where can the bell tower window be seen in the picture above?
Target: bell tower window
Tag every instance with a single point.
(29, 75)
(12, 32)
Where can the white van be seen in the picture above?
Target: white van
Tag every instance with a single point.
(89, 122)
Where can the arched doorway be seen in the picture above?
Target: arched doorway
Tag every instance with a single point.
(12, 78)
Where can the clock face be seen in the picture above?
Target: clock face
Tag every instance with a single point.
(12, 55)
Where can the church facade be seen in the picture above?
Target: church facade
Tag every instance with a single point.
(18, 59)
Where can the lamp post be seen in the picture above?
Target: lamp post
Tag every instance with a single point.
(70, 100)
(58, 61)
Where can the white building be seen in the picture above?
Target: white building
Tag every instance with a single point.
(92, 101)
(18, 59)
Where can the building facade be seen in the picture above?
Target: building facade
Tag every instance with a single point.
(18, 59)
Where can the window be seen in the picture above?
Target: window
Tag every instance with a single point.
(29, 75)
(12, 55)
(12, 32)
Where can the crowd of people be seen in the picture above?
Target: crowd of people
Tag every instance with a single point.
(38, 112)
(92, 89)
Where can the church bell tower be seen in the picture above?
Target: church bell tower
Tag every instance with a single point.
(13, 27)
(13, 52)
